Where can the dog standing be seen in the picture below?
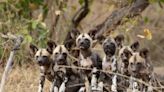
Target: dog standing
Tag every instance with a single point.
(88, 59)
(110, 63)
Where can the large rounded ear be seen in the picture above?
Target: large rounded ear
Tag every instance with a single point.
(70, 40)
(33, 48)
(119, 40)
(69, 44)
(74, 33)
(99, 39)
(50, 46)
(92, 33)
(135, 46)
(128, 53)
(144, 52)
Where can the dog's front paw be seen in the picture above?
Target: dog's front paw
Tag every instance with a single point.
(114, 88)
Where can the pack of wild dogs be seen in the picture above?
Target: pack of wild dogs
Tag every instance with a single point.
(91, 73)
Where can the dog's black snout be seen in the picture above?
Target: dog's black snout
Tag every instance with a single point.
(61, 59)
(81, 43)
(134, 70)
(40, 60)
(107, 46)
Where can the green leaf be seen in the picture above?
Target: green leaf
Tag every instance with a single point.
(24, 31)
(81, 2)
(146, 19)
(162, 1)
(34, 24)
(28, 39)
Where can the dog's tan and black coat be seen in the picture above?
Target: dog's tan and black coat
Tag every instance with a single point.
(140, 67)
(43, 59)
(64, 77)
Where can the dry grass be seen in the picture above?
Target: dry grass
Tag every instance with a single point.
(24, 80)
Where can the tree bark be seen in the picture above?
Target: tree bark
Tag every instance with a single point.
(115, 19)
(73, 31)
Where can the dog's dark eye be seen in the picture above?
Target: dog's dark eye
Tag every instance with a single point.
(56, 53)
(65, 54)
(37, 56)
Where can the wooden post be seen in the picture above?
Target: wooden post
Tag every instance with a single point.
(18, 40)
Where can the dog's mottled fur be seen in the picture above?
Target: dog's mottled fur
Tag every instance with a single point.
(109, 64)
(87, 58)
(109, 61)
(124, 55)
(140, 67)
(43, 59)
(64, 77)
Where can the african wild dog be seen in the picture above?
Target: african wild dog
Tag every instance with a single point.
(109, 61)
(88, 59)
(124, 55)
(110, 64)
(42, 58)
(64, 77)
(140, 67)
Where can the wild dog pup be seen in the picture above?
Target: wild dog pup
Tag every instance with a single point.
(140, 67)
(110, 62)
(88, 59)
(42, 58)
(123, 61)
(60, 58)
(124, 55)
(63, 76)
